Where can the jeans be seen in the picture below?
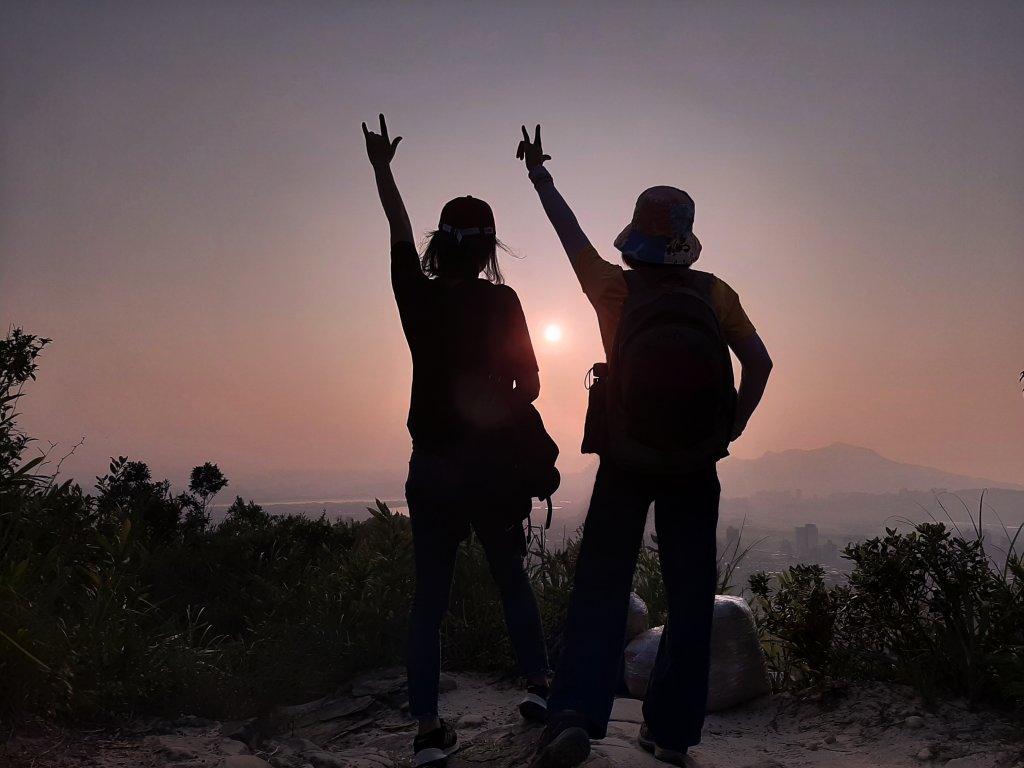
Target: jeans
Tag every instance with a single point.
(587, 677)
(447, 496)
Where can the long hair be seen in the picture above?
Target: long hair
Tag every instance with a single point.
(445, 256)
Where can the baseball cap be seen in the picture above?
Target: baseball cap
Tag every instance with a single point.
(661, 231)
(465, 216)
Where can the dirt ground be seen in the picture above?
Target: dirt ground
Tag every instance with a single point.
(366, 726)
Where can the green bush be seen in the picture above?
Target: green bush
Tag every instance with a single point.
(927, 608)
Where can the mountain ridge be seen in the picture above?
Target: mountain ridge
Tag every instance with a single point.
(839, 468)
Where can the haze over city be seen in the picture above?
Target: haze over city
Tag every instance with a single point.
(186, 209)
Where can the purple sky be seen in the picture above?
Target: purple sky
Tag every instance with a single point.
(186, 209)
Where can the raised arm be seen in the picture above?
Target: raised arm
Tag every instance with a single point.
(568, 229)
(755, 367)
(381, 150)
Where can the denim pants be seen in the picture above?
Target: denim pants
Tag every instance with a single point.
(587, 676)
(447, 496)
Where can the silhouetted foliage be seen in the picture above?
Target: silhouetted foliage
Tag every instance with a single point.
(928, 608)
(18, 352)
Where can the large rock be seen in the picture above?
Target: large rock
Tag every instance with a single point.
(638, 618)
(737, 674)
(639, 661)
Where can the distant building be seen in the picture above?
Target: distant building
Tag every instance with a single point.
(807, 547)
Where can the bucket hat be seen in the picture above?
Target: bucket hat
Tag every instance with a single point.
(661, 231)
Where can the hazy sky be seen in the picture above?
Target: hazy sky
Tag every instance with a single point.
(187, 210)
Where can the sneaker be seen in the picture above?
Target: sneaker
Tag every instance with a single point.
(432, 749)
(673, 756)
(564, 743)
(534, 706)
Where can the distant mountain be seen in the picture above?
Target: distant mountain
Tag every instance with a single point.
(839, 468)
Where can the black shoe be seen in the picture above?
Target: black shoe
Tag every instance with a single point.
(534, 706)
(564, 742)
(673, 756)
(432, 749)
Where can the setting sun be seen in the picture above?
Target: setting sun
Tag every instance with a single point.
(553, 333)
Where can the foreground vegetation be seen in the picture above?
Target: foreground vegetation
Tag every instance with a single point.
(127, 599)
(929, 608)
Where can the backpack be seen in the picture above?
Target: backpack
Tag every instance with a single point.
(667, 402)
(532, 456)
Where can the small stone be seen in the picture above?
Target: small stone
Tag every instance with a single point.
(914, 721)
(447, 683)
(924, 755)
(830, 739)
(472, 720)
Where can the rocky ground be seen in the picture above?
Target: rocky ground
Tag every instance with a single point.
(365, 726)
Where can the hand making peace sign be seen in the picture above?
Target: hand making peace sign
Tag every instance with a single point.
(532, 154)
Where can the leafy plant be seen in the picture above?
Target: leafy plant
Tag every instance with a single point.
(927, 608)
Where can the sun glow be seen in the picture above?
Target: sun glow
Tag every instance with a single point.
(553, 333)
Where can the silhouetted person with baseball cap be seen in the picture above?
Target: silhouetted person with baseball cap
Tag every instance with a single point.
(473, 362)
(663, 413)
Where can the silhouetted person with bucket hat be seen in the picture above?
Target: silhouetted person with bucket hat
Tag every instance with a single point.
(473, 362)
(663, 412)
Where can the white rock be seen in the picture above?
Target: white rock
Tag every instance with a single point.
(924, 755)
(471, 720)
(638, 618)
(628, 710)
(737, 671)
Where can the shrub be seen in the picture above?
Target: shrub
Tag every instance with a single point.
(926, 608)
